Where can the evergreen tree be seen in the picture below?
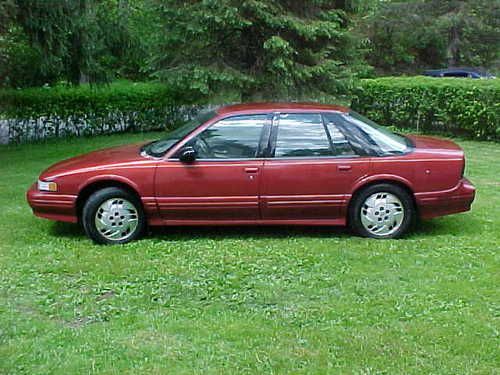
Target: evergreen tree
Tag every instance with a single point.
(60, 31)
(75, 40)
(261, 48)
(7, 9)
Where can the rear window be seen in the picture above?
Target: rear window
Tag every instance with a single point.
(367, 137)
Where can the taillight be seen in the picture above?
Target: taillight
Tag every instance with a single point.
(463, 167)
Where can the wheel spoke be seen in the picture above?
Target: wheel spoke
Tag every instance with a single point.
(393, 200)
(115, 234)
(101, 223)
(397, 214)
(371, 201)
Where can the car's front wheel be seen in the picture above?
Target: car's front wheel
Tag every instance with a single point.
(382, 211)
(113, 216)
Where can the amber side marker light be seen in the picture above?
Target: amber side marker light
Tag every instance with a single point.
(46, 186)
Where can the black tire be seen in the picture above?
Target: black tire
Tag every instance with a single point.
(408, 207)
(94, 202)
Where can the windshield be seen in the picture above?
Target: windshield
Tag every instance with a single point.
(160, 147)
(387, 141)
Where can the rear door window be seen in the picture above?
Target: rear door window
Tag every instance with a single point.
(301, 135)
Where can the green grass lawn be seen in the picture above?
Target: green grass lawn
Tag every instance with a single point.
(247, 300)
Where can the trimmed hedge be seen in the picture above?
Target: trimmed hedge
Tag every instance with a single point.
(38, 113)
(468, 107)
(460, 106)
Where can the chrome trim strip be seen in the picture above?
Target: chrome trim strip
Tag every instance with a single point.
(305, 202)
(205, 204)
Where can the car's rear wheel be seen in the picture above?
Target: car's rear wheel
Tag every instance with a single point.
(382, 211)
(113, 216)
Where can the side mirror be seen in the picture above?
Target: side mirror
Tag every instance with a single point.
(187, 154)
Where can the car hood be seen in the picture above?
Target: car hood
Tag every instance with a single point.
(95, 160)
(432, 144)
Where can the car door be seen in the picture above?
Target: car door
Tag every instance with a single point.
(310, 170)
(223, 181)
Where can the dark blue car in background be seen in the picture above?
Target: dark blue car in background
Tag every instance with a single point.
(459, 73)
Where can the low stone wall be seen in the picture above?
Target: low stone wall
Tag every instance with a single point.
(88, 124)
(4, 132)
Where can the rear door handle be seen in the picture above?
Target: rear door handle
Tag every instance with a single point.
(344, 168)
(251, 170)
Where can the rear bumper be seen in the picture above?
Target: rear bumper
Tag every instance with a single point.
(440, 203)
(52, 206)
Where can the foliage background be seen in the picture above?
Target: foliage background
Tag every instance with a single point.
(258, 48)
(131, 64)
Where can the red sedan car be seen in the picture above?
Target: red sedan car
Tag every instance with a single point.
(260, 164)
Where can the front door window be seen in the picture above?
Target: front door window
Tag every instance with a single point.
(236, 137)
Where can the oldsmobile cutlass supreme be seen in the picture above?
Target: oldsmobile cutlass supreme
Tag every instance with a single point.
(260, 164)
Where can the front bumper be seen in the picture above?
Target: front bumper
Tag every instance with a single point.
(440, 203)
(52, 206)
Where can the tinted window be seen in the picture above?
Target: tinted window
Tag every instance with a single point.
(358, 139)
(232, 138)
(301, 135)
(456, 74)
(366, 137)
(387, 141)
(341, 146)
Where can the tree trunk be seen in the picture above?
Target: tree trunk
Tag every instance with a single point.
(454, 38)
(83, 78)
(453, 50)
(77, 53)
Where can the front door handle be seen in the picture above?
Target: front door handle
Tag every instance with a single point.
(251, 170)
(344, 168)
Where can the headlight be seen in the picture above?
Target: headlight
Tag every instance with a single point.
(47, 186)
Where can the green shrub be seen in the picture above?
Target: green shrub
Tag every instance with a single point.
(37, 113)
(468, 107)
(459, 106)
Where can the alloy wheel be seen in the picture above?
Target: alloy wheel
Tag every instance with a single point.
(382, 213)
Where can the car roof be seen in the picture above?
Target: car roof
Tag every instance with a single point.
(279, 107)
(457, 70)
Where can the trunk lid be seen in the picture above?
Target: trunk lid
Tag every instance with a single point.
(433, 143)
